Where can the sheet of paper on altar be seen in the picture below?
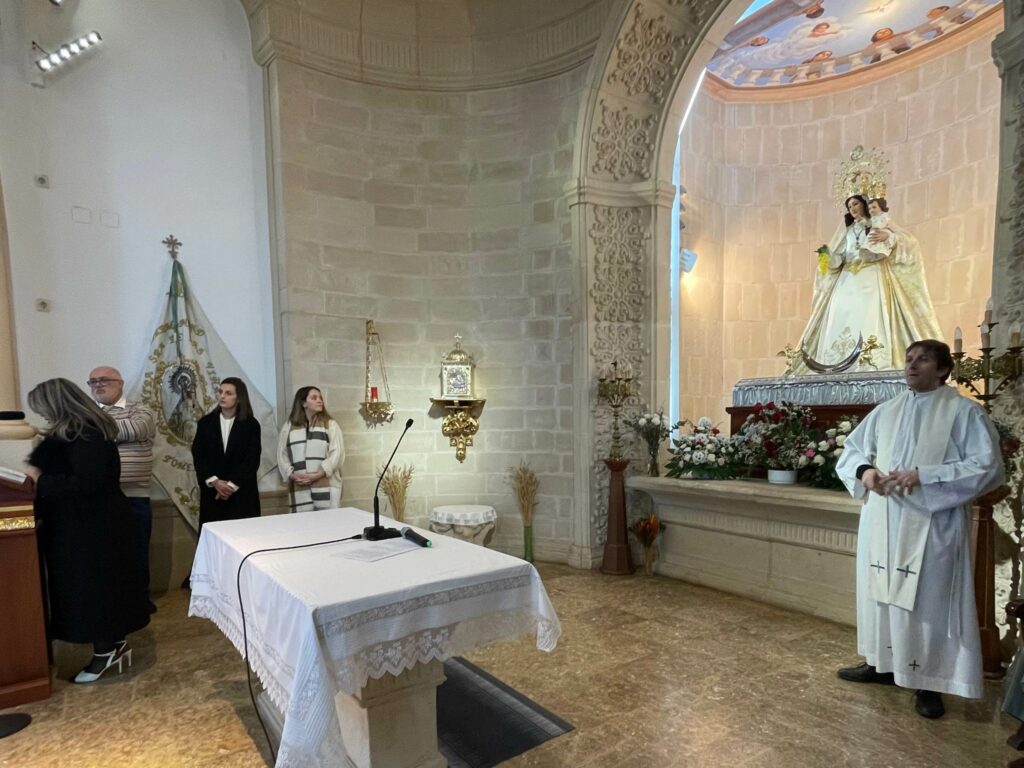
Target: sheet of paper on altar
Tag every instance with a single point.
(370, 551)
(14, 475)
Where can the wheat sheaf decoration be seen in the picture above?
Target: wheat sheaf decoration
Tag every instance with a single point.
(525, 484)
(395, 484)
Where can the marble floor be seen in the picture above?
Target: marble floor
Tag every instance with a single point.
(652, 672)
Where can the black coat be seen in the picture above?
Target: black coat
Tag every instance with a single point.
(239, 465)
(87, 535)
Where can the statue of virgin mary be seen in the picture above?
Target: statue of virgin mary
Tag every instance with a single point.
(870, 283)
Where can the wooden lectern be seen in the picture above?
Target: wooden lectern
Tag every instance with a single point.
(24, 662)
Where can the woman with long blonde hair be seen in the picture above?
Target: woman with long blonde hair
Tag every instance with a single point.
(310, 450)
(93, 580)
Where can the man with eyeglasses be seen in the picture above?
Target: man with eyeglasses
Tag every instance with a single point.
(136, 429)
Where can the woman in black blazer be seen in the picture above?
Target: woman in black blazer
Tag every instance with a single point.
(226, 455)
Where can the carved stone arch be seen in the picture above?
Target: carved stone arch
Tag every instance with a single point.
(644, 70)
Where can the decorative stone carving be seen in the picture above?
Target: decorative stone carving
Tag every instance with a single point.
(698, 11)
(624, 144)
(619, 236)
(619, 243)
(648, 57)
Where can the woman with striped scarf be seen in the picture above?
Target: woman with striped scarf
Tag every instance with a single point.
(310, 451)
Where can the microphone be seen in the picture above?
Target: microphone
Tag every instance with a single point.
(415, 538)
(376, 532)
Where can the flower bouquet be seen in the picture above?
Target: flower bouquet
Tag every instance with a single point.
(652, 429)
(646, 529)
(703, 453)
(823, 455)
(776, 436)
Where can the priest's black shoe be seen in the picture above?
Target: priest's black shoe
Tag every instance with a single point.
(865, 673)
(929, 704)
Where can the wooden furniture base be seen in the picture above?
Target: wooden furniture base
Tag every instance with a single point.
(24, 662)
(618, 559)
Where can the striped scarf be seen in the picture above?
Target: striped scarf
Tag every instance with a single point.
(307, 447)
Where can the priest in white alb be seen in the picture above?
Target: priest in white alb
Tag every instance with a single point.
(917, 461)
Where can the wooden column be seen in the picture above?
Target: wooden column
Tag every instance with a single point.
(618, 559)
(983, 546)
(24, 662)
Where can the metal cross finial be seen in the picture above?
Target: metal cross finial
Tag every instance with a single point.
(173, 244)
(458, 339)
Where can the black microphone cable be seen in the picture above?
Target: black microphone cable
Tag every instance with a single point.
(245, 635)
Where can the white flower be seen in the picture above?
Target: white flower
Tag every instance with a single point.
(703, 423)
(802, 461)
(642, 422)
(711, 458)
(845, 426)
(830, 433)
(721, 462)
(841, 440)
(819, 459)
(823, 445)
(837, 452)
(698, 457)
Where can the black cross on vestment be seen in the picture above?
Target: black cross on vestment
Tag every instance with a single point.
(914, 665)
(906, 571)
(878, 566)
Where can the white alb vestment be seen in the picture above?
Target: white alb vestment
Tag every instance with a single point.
(916, 613)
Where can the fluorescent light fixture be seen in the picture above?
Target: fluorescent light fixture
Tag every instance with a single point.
(65, 53)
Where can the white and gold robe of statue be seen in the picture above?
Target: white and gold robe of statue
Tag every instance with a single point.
(863, 294)
(916, 613)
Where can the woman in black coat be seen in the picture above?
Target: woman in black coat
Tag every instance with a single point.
(226, 455)
(93, 578)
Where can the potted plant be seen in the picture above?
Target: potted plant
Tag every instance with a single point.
(703, 453)
(647, 529)
(775, 436)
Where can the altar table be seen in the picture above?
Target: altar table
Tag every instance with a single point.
(327, 633)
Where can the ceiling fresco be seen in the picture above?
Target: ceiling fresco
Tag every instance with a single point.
(782, 42)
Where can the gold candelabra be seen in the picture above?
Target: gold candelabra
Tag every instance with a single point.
(614, 387)
(995, 373)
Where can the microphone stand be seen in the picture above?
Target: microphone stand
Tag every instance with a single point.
(376, 532)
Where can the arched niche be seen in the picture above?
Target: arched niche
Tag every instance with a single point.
(644, 70)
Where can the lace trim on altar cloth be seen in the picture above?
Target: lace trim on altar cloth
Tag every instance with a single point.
(442, 643)
(207, 608)
(391, 610)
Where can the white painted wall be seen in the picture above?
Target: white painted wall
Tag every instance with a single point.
(161, 126)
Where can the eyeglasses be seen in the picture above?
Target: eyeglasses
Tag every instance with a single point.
(101, 382)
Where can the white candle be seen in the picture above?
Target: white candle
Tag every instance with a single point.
(988, 312)
(1015, 335)
(958, 340)
(986, 335)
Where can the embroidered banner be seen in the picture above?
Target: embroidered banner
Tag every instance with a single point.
(179, 382)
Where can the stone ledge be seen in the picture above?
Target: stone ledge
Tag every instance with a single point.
(787, 545)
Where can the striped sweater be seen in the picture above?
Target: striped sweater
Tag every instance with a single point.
(136, 428)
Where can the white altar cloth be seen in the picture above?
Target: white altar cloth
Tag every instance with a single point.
(319, 624)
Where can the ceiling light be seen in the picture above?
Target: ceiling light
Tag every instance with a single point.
(56, 2)
(51, 61)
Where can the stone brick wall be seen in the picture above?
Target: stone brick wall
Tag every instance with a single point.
(758, 220)
(433, 214)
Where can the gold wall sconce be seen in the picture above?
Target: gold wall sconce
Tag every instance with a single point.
(462, 420)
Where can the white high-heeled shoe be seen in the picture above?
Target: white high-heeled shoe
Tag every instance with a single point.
(116, 658)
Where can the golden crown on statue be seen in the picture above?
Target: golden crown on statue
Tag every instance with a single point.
(865, 173)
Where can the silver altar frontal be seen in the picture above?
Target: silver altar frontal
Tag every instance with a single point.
(821, 389)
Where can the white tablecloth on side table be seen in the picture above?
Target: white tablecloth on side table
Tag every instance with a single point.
(319, 623)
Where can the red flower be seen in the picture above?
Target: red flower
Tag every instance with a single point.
(776, 417)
